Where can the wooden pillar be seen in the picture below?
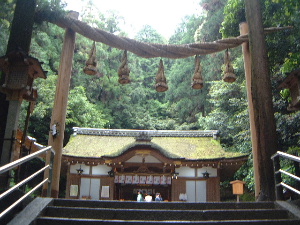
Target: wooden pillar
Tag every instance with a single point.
(278, 179)
(57, 126)
(247, 67)
(68, 183)
(261, 95)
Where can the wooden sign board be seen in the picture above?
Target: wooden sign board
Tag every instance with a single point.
(237, 187)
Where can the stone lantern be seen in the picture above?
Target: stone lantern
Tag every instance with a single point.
(292, 82)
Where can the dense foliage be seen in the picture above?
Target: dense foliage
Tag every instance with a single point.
(100, 101)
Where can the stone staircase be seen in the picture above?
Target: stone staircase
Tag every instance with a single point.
(47, 211)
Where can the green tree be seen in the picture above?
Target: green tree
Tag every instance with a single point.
(80, 111)
(83, 113)
(185, 103)
(283, 52)
(6, 15)
(150, 35)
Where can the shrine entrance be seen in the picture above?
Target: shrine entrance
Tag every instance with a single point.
(128, 192)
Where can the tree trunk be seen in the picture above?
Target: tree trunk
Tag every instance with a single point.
(20, 37)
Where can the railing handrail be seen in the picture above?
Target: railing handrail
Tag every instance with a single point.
(289, 187)
(24, 159)
(279, 184)
(18, 162)
(286, 155)
(23, 182)
(22, 198)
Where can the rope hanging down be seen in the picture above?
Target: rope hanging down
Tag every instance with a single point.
(145, 50)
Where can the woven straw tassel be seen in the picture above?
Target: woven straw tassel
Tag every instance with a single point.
(124, 70)
(91, 64)
(197, 81)
(161, 81)
(229, 75)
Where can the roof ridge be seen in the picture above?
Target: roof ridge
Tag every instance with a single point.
(151, 133)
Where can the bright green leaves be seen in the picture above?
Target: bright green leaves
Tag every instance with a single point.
(83, 113)
(234, 14)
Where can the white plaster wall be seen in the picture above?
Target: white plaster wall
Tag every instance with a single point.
(84, 187)
(86, 169)
(196, 191)
(186, 171)
(139, 159)
(213, 172)
(100, 170)
(95, 189)
(90, 187)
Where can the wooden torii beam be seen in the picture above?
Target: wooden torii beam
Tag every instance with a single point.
(142, 49)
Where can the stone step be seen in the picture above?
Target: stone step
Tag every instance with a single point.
(69, 221)
(163, 205)
(164, 214)
(48, 211)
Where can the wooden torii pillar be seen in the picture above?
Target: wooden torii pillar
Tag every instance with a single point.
(259, 90)
(59, 112)
(247, 67)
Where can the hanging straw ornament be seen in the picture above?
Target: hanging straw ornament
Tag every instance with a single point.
(91, 64)
(124, 70)
(161, 81)
(229, 75)
(197, 78)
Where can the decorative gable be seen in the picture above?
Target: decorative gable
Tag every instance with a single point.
(139, 159)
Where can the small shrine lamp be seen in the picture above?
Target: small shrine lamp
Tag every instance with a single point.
(79, 171)
(124, 70)
(20, 72)
(292, 82)
(91, 64)
(111, 173)
(229, 75)
(175, 175)
(205, 175)
(161, 81)
(197, 81)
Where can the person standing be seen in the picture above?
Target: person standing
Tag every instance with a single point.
(148, 198)
(158, 197)
(139, 197)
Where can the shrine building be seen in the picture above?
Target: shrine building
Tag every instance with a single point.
(114, 164)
